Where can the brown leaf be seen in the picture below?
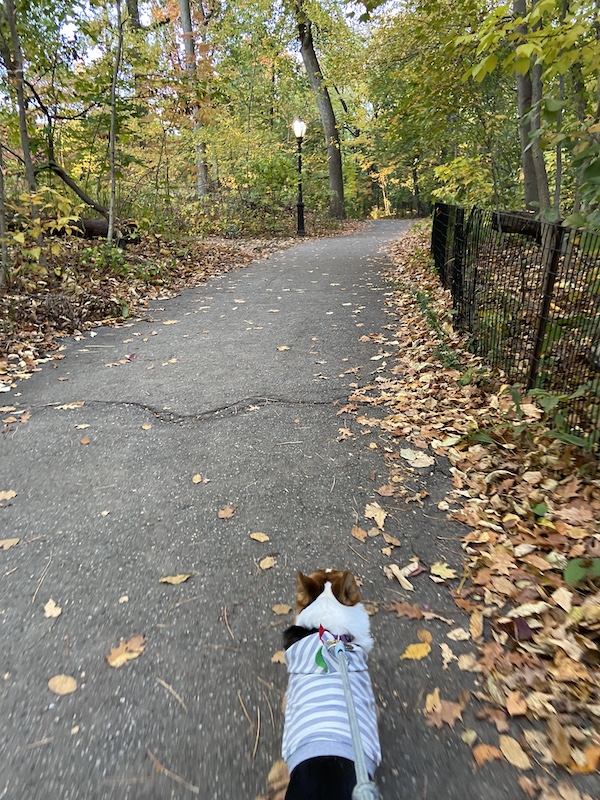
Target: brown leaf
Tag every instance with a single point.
(175, 580)
(387, 490)
(485, 752)
(391, 540)
(85, 440)
(516, 704)
(405, 609)
(126, 651)
(278, 657)
(62, 684)
(281, 608)
(559, 742)
(592, 760)
(359, 533)
(267, 562)
(226, 512)
(438, 711)
(259, 537)
(8, 495)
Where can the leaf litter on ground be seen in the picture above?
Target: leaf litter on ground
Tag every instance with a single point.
(531, 506)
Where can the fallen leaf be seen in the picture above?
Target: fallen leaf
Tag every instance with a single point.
(82, 426)
(359, 533)
(126, 651)
(386, 491)
(485, 752)
(516, 704)
(469, 736)
(447, 655)
(146, 426)
(438, 711)
(375, 512)
(405, 609)
(592, 760)
(124, 599)
(442, 570)
(197, 478)
(259, 537)
(51, 609)
(7, 495)
(175, 580)
(226, 512)
(283, 347)
(62, 684)
(391, 540)
(417, 459)
(267, 562)
(171, 322)
(85, 440)
(6, 544)
(281, 609)
(69, 406)
(458, 635)
(419, 651)
(476, 625)
(278, 657)
(513, 752)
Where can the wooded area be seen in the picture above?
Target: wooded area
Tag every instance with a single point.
(175, 117)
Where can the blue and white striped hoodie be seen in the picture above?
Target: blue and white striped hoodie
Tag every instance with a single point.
(316, 715)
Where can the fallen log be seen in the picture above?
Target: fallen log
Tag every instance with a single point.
(97, 227)
(523, 222)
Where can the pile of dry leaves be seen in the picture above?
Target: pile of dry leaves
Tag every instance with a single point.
(531, 580)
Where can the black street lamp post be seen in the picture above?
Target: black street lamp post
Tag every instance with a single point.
(299, 127)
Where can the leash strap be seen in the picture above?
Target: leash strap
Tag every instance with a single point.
(364, 789)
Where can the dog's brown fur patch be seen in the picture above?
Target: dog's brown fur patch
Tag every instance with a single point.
(343, 586)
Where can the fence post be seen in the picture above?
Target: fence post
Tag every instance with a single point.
(557, 234)
(439, 238)
(456, 275)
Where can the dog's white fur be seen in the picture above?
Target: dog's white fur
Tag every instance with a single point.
(338, 618)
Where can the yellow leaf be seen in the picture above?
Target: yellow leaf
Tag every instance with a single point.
(171, 322)
(146, 426)
(514, 753)
(259, 537)
(375, 512)
(62, 684)
(278, 657)
(432, 701)
(417, 651)
(51, 609)
(281, 609)
(267, 562)
(197, 478)
(174, 580)
(283, 347)
(476, 625)
(126, 651)
(442, 570)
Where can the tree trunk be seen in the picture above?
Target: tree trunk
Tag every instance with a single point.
(190, 65)
(134, 13)
(66, 178)
(3, 247)
(15, 68)
(113, 122)
(332, 137)
(529, 92)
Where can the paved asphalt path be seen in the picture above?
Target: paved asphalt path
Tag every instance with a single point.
(102, 521)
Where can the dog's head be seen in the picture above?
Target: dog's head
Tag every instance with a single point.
(309, 587)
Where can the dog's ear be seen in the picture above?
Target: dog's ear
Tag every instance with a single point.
(307, 590)
(350, 594)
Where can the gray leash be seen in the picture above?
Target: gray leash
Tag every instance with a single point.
(365, 789)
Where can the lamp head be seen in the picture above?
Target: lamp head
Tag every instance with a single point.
(299, 128)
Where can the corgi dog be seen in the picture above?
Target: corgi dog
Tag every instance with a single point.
(317, 743)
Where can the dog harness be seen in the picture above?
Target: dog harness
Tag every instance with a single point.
(316, 714)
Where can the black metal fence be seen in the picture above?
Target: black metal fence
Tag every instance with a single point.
(528, 293)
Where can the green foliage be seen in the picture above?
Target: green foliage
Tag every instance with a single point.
(580, 570)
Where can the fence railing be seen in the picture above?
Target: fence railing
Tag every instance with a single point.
(528, 293)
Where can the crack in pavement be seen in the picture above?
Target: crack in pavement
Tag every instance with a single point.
(233, 408)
